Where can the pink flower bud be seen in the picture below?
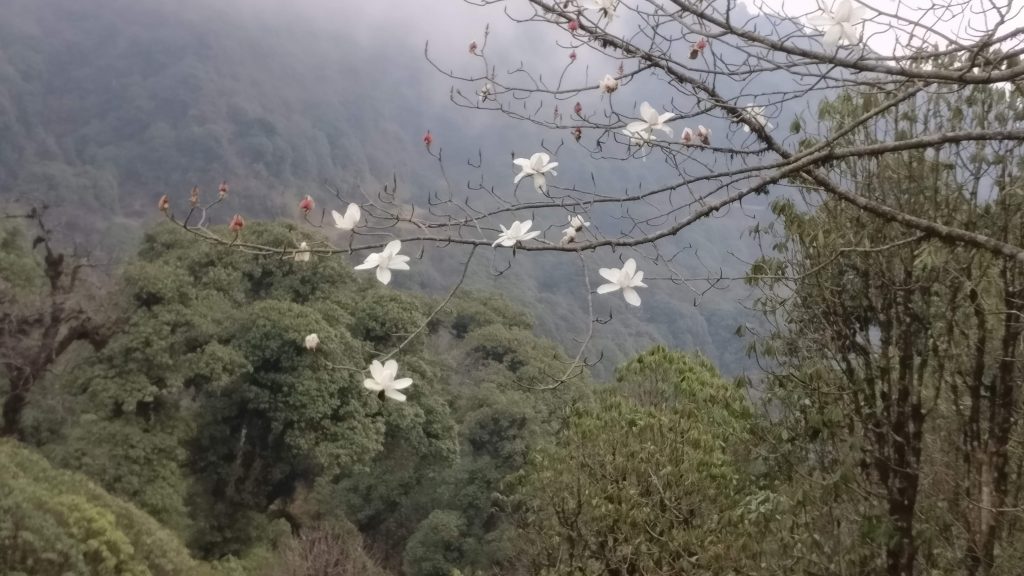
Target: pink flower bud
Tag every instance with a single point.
(572, 56)
(472, 47)
(697, 48)
(573, 25)
(237, 223)
(164, 204)
(193, 198)
(578, 109)
(428, 139)
(577, 133)
(306, 205)
(223, 190)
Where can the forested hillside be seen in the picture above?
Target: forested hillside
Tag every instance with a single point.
(799, 258)
(108, 106)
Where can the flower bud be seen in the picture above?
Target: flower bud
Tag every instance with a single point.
(306, 205)
(237, 223)
(222, 192)
(164, 204)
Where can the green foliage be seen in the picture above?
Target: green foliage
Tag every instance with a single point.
(55, 523)
(436, 546)
(645, 478)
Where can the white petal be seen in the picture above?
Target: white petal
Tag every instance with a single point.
(384, 275)
(393, 247)
(638, 279)
(371, 262)
(606, 288)
(401, 383)
(390, 369)
(394, 395)
(831, 37)
(522, 162)
(397, 263)
(629, 267)
(609, 274)
(648, 113)
(377, 371)
(339, 220)
(372, 385)
(843, 10)
(823, 20)
(519, 177)
(530, 235)
(540, 183)
(850, 34)
(550, 167)
(636, 127)
(631, 296)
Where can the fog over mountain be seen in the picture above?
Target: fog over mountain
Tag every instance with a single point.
(107, 105)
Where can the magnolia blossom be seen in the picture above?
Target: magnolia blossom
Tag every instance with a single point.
(237, 223)
(626, 279)
(609, 84)
(643, 138)
(303, 253)
(385, 261)
(517, 232)
(687, 136)
(536, 166)
(605, 8)
(486, 92)
(312, 341)
(838, 23)
(704, 135)
(382, 379)
(349, 220)
(651, 120)
(576, 225)
(698, 48)
(757, 114)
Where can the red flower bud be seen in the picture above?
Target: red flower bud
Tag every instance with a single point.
(428, 139)
(573, 25)
(306, 205)
(697, 48)
(578, 109)
(237, 223)
(577, 133)
(572, 56)
(164, 204)
(223, 190)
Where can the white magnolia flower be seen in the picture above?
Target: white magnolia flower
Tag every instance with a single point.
(643, 138)
(385, 261)
(577, 223)
(485, 92)
(349, 220)
(609, 84)
(382, 379)
(537, 166)
(704, 135)
(626, 279)
(651, 120)
(687, 136)
(605, 8)
(757, 114)
(303, 253)
(838, 24)
(312, 341)
(517, 232)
